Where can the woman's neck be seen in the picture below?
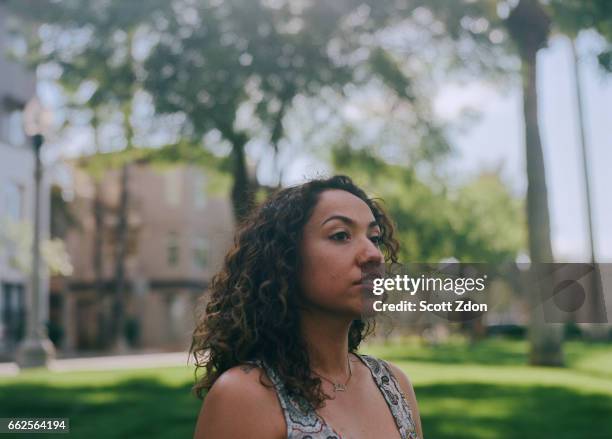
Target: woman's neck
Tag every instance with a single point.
(326, 339)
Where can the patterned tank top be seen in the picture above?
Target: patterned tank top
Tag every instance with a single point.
(304, 423)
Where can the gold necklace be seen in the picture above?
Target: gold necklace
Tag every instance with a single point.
(338, 387)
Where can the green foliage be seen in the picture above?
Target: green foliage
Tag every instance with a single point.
(209, 60)
(217, 169)
(390, 72)
(16, 243)
(572, 16)
(465, 21)
(241, 51)
(490, 221)
(96, 165)
(94, 49)
(165, 157)
(477, 222)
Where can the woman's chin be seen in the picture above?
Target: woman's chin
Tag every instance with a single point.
(367, 307)
(366, 300)
(361, 305)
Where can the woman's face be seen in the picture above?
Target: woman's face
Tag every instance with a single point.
(339, 247)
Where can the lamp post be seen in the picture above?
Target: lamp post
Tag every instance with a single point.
(36, 350)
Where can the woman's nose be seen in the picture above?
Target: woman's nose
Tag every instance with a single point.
(370, 253)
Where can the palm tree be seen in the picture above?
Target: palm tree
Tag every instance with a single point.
(529, 26)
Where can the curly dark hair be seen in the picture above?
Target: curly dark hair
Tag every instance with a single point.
(252, 311)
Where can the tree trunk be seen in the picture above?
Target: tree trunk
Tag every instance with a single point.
(529, 27)
(277, 132)
(594, 330)
(243, 196)
(98, 238)
(545, 339)
(119, 343)
(98, 262)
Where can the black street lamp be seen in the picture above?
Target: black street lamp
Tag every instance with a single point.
(36, 350)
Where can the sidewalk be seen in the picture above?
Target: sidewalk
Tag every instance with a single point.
(109, 362)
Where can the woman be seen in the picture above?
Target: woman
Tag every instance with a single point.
(279, 336)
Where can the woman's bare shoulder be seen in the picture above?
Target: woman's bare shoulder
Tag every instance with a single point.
(401, 377)
(239, 405)
(408, 390)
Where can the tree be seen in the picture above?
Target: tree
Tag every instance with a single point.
(99, 54)
(529, 26)
(571, 17)
(479, 25)
(213, 57)
(439, 222)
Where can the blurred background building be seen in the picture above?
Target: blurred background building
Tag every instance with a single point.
(177, 234)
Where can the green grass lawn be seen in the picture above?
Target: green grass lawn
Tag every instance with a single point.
(484, 391)
(487, 391)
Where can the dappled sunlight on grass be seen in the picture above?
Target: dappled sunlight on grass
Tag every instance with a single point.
(133, 407)
(486, 390)
(457, 351)
(167, 375)
(502, 411)
(466, 391)
(591, 357)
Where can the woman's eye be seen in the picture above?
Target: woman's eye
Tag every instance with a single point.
(340, 236)
(377, 240)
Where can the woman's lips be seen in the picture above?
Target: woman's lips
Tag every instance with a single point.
(367, 280)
